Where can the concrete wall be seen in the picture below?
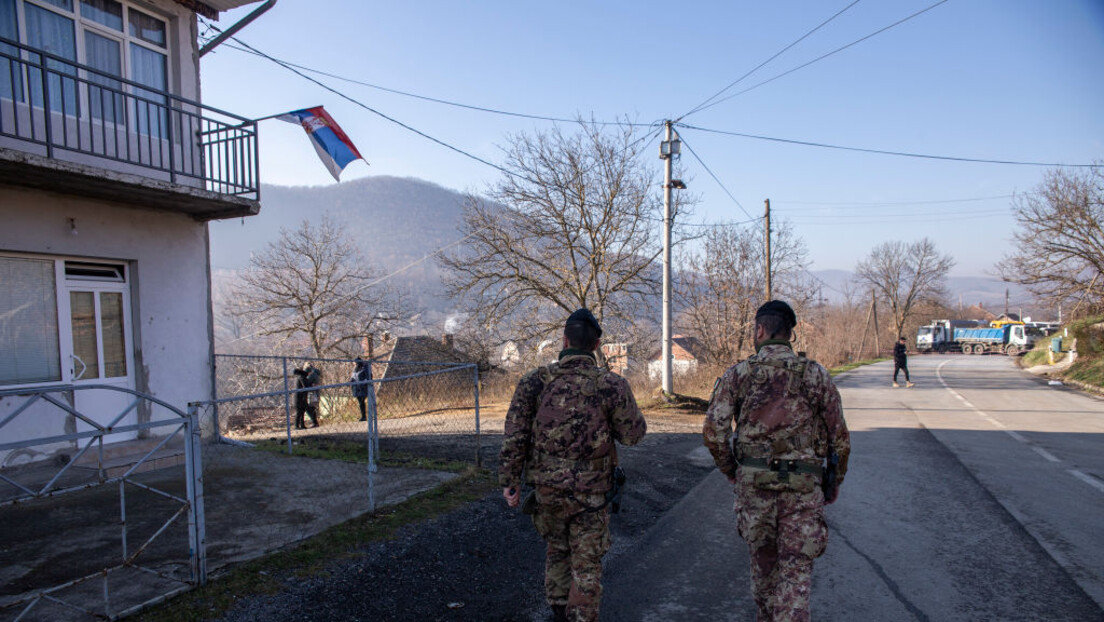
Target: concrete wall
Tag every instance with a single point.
(171, 342)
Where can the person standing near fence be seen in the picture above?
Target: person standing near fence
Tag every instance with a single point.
(560, 429)
(306, 401)
(360, 389)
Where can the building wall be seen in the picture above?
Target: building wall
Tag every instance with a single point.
(167, 253)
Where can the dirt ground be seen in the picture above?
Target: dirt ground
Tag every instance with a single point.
(254, 502)
(484, 561)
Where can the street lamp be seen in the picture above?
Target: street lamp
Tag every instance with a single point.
(669, 150)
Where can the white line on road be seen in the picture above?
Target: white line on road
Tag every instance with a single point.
(1088, 479)
(1044, 453)
(1095, 483)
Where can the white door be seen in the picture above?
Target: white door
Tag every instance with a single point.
(99, 352)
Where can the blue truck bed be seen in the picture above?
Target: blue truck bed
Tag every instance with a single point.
(988, 335)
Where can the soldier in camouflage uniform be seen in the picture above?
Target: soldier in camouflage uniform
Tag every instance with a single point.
(788, 419)
(560, 429)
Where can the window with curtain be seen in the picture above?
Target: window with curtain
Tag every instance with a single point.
(11, 79)
(28, 322)
(55, 34)
(109, 36)
(106, 55)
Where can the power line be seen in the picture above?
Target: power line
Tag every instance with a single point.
(861, 204)
(893, 219)
(715, 178)
(380, 114)
(824, 56)
(822, 281)
(704, 104)
(436, 100)
(904, 154)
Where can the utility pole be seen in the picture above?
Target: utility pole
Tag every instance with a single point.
(874, 308)
(668, 150)
(770, 295)
(1006, 302)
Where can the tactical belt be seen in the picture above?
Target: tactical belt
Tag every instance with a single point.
(597, 464)
(787, 466)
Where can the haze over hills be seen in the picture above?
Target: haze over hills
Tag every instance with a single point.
(395, 221)
(400, 220)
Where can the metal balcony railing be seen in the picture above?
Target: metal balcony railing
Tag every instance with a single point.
(63, 110)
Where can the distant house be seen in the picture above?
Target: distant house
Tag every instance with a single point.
(685, 354)
(617, 357)
(408, 385)
(110, 170)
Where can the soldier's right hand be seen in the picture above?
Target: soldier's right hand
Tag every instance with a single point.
(512, 496)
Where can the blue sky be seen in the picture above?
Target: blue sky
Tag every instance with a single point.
(1019, 80)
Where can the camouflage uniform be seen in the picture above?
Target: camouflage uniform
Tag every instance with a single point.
(785, 407)
(560, 428)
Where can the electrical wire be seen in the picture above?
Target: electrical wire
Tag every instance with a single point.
(705, 103)
(861, 204)
(824, 56)
(904, 154)
(436, 100)
(715, 178)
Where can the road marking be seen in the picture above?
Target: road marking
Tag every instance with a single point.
(1088, 479)
(1044, 453)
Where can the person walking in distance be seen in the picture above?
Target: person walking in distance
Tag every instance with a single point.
(560, 430)
(900, 362)
(788, 421)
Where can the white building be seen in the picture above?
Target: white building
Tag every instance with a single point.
(110, 169)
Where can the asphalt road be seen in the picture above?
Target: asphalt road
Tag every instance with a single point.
(976, 495)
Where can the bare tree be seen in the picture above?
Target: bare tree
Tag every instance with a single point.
(905, 275)
(724, 283)
(574, 223)
(312, 285)
(1059, 243)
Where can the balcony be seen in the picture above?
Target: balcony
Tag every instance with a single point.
(69, 128)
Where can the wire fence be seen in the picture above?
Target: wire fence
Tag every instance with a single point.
(403, 427)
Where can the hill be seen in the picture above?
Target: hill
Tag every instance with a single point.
(395, 221)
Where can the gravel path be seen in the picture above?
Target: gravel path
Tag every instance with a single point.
(481, 562)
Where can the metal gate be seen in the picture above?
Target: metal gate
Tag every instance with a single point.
(60, 467)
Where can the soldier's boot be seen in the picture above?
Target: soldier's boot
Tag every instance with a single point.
(559, 613)
(909, 385)
(895, 385)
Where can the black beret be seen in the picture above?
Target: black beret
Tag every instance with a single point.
(777, 307)
(586, 318)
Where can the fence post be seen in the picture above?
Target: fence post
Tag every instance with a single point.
(287, 404)
(193, 467)
(478, 436)
(373, 408)
(373, 439)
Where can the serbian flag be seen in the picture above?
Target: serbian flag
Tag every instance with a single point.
(333, 146)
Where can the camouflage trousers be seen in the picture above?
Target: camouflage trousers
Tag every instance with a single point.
(785, 532)
(576, 541)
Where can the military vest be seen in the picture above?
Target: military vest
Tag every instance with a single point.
(572, 440)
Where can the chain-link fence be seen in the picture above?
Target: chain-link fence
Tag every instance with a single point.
(289, 460)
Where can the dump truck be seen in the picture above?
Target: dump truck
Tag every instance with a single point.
(1010, 339)
(938, 336)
